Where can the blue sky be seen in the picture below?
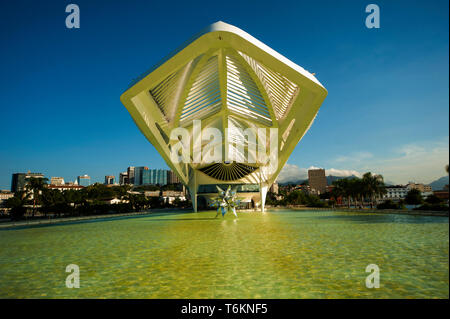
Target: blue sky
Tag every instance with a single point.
(386, 111)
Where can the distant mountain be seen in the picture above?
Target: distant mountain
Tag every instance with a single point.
(293, 182)
(331, 178)
(439, 183)
(389, 183)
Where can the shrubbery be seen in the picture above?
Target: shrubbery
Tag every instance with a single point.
(433, 203)
(432, 207)
(92, 200)
(296, 197)
(389, 204)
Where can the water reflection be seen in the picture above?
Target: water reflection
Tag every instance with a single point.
(279, 254)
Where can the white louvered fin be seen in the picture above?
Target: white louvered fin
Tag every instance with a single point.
(280, 90)
(164, 93)
(203, 98)
(243, 95)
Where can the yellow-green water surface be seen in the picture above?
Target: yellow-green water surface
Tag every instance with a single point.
(278, 254)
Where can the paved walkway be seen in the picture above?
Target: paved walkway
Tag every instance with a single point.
(59, 220)
(35, 222)
(367, 210)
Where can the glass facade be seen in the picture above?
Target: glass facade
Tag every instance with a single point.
(18, 182)
(110, 180)
(158, 176)
(84, 180)
(145, 176)
(138, 173)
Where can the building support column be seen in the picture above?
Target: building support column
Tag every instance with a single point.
(263, 187)
(193, 191)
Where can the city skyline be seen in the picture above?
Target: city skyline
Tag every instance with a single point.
(397, 126)
(155, 176)
(291, 173)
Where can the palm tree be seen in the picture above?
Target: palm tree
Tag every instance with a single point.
(373, 186)
(35, 186)
(358, 189)
(338, 189)
(355, 190)
(343, 188)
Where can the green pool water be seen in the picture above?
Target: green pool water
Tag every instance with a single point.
(278, 254)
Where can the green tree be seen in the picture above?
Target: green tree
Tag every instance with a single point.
(389, 204)
(355, 190)
(177, 202)
(338, 190)
(53, 201)
(121, 191)
(413, 197)
(342, 188)
(373, 186)
(271, 199)
(433, 199)
(296, 197)
(34, 187)
(313, 201)
(154, 202)
(17, 204)
(137, 201)
(99, 191)
(72, 196)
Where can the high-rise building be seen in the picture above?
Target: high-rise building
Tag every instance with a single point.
(317, 180)
(84, 180)
(109, 179)
(158, 176)
(123, 178)
(172, 178)
(138, 174)
(145, 176)
(274, 188)
(130, 172)
(19, 180)
(57, 181)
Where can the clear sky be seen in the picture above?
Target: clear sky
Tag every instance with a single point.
(387, 107)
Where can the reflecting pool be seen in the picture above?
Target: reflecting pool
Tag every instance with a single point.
(278, 254)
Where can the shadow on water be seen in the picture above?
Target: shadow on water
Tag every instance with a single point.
(179, 219)
(106, 219)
